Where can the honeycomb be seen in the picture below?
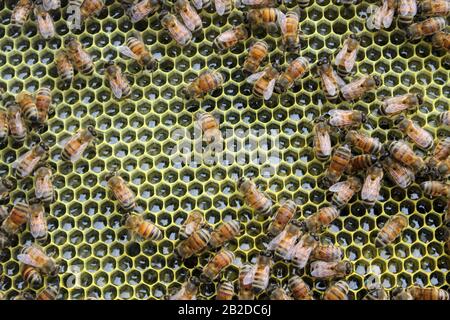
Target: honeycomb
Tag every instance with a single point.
(98, 258)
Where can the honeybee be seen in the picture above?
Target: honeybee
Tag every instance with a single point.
(27, 106)
(430, 293)
(196, 243)
(43, 184)
(399, 174)
(136, 49)
(346, 58)
(444, 118)
(43, 102)
(381, 17)
(21, 12)
(256, 3)
(4, 213)
(4, 125)
(36, 257)
(225, 291)
(32, 276)
(223, 7)
(143, 9)
(64, 67)
(441, 40)
(447, 215)
(418, 135)
(256, 54)
(142, 228)
(300, 290)
(375, 291)
(327, 252)
(302, 250)
(264, 82)
(278, 293)
(38, 222)
(330, 270)
(296, 69)
(206, 82)
(346, 118)
(363, 142)
(121, 192)
(401, 294)
(426, 28)
(339, 162)
(44, 21)
(245, 289)
(254, 198)
(442, 168)
(372, 184)
(283, 244)
(337, 291)
(290, 30)
(78, 56)
(6, 185)
(361, 163)
(406, 10)
(225, 232)
(27, 162)
(330, 80)
(264, 18)
(357, 88)
(282, 217)
(209, 126)
(441, 151)
(117, 81)
(345, 190)
(396, 105)
(49, 293)
(91, 8)
(434, 7)
(73, 149)
(219, 262)
(193, 223)
(260, 274)
(391, 230)
(190, 17)
(403, 153)
(51, 4)
(435, 188)
(321, 219)
(24, 296)
(177, 30)
(188, 291)
(228, 39)
(17, 217)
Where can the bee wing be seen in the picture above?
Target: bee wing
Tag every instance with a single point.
(190, 227)
(19, 160)
(341, 54)
(126, 51)
(395, 107)
(198, 4)
(281, 18)
(248, 278)
(338, 186)
(370, 187)
(77, 154)
(115, 87)
(324, 141)
(26, 259)
(269, 90)
(274, 242)
(329, 84)
(254, 77)
(37, 227)
(220, 7)
(388, 18)
(190, 23)
(339, 80)
(350, 62)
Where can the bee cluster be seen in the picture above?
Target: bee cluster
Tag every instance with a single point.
(358, 162)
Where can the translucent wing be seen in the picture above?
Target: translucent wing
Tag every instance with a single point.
(370, 187)
(350, 62)
(254, 77)
(220, 7)
(281, 18)
(389, 16)
(188, 21)
(115, 88)
(338, 186)
(341, 54)
(248, 278)
(329, 84)
(79, 152)
(190, 227)
(126, 51)
(324, 141)
(198, 4)
(395, 108)
(274, 242)
(26, 259)
(269, 90)
(20, 159)
(339, 80)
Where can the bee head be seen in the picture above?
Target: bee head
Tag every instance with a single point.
(323, 60)
(44, 146)
(164, 12)
(185, 94)
(195, 281)
(151, 64)
(399, 119)
(419, 98)
(92, 131)
(110, 174)
(363, 117)
(348, 267)
(377, 80)
(296, 223)
(397, 291)
(240, 181)
(68, 41)
(266, 253)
